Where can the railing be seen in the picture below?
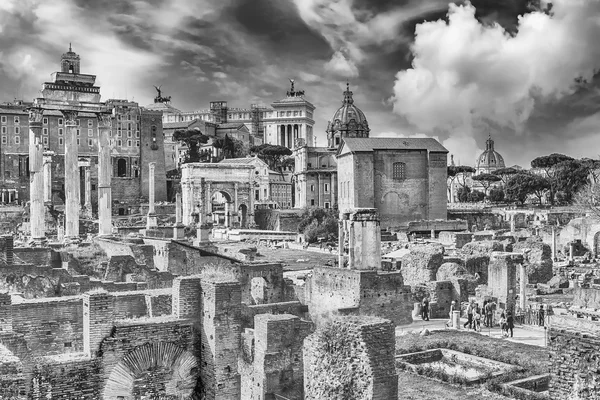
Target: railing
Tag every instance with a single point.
(531, 317)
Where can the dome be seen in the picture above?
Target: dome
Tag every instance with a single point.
(347, 121)
(490, 160)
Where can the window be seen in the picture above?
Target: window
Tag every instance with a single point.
(265, 191)
(78, 122)
(90, 132)
(60, 121)
(45, 121)
(399, 171)
(90, 123)
(129, 143)
(4, 130)
(300, 113)
(78, 132)
(295, 113)
(45, 141)
(78, 142)
(129, 126)
(326, 204)
(4, 140)
(90, 142)
(327, 188)
(137, 143)
(60, 141)
(110, 133)
(119, 133)
(60, 131)
(312, 202)
(137, 134)
(129, 134)
(257, 195)
(45, 131)
(289, 113)
(67, 344)
(16, 120)
(312, 188)
(4, 119)
(119, 143)
(17, 130)
(17, 140)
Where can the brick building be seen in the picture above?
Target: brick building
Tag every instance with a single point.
(136, 137)
(404, 179)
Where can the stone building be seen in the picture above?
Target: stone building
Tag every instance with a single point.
(490, 160)
(136, 139)
(316, 167)
(404, 179)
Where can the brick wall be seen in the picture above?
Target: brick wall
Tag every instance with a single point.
(66, 379)
(288, 307)
(438, 186)
(351, 358)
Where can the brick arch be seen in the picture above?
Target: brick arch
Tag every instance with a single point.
(160, 369)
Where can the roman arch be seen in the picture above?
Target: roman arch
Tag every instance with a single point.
(222, 194)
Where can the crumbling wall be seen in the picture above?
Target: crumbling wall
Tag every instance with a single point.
(351, 358)
(288, 307)
(422, 263)
(575, 362)
(65, 379)
(538, 261)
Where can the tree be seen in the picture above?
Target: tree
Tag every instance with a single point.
(505, 174)
(587, 199)
(496, 195)
(570, 177)
(523, 184)
(548, 165)
(594, 167)
(463, 194)
(231, 147)
(192, 138)
(273, 155)
(486, 181)
(475, 196)
(461, 172)
(318, 223)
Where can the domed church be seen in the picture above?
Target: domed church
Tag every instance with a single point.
(347, 122)
(490, 160)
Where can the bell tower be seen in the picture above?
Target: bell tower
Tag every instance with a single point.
(70, 62)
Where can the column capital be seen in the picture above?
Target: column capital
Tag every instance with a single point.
(35, 115)
(104, 120)
(70, 117)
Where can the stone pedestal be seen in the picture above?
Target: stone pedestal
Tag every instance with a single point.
(72, 187)
(456, 319)
(37, 220)
(104, 176)
(202, 234)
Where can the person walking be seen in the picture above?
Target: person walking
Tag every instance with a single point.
(510, 323)
(452, 306)
(425, 309)
(503, 324)
(477, 316)
(483, 313)
(541, 315)
(469, 316)
(488, 314)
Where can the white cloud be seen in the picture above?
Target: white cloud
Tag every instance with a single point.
(341, 66)
(465, 75)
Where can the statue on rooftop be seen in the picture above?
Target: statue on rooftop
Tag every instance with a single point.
(159, 97)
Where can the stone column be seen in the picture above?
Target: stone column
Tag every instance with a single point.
(236, 207)
(178, 230)
(4, 195)
(553, 244)
(37, 220)
(433, 233)
(71, 177)
(318, 190)
(522, 286)
(571, 250)
(341, 241)
(88, 191)
(226, 214)
(104, 175)
(185, 207)
(512, 222)
(456, 319)
(151, 220)
(48, 177)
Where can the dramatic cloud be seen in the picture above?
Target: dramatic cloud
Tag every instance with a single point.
(469, 79)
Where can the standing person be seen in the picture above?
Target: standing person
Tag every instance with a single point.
(452, 305)
(425, 309)
(488, 314)
(510, 323)
(483, 313)
(503, 324)
(477, 318)
(469, 316)
(541, 315)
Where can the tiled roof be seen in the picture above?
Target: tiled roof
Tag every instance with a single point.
(370, 144)
(178, 125)
(230, 125)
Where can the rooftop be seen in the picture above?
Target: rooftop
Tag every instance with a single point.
(371, 144)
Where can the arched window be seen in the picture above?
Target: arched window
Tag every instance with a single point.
(399, 171)
(121, 168)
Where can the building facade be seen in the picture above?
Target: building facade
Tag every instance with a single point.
(136, 138)
(404, 179)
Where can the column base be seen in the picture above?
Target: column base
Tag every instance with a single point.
(151, 221)
(179, 232)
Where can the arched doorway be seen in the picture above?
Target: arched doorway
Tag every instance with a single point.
(221, 208)
(243, 213)
(121, 168)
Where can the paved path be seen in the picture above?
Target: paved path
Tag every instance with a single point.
(527, 334)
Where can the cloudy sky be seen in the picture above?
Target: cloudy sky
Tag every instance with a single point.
(452, 70)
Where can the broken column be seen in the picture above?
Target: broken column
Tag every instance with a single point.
(36, 185)
(178, 229)
(88, 191)
(71, 177)
(151, 219)
(502, 278)
(104, 176)
(361, 226)
(48, 176)
(523, 287)
(204, 225)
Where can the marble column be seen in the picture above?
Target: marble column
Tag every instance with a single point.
(72, 186)
(178, 229)
(37, 220)
(341, 240)
(226, 214)
(48, 178)
(3, 195)
(553, 244)
(522, 287)
(512, 222)
(151, 220)
(104, 175)
(88, 191)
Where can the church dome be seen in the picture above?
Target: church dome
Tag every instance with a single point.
(347, 121)
(490, 160)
